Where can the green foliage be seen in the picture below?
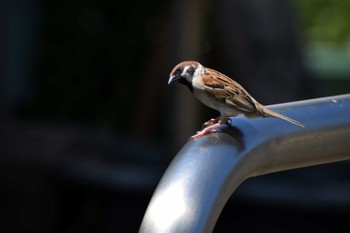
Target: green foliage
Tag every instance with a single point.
(326, 20)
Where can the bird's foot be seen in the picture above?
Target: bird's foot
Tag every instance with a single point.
(206, 131)
(210, 122)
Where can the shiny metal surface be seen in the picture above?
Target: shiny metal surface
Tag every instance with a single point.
(205, 173)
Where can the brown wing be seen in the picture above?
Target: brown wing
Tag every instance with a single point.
(228, 91)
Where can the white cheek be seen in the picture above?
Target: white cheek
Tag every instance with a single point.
(199, 71)
(197, 79)
(185, 70)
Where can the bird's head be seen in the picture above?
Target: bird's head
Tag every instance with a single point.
(184, 72)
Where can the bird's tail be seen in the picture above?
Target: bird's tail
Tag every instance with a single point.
(269, 113)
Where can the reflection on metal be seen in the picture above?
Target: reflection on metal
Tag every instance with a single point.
(204, 174)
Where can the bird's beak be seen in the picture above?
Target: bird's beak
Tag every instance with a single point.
(174, 79)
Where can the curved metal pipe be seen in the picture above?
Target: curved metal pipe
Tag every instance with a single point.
(205, 173)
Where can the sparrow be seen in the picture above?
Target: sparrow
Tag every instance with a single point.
(219, 92)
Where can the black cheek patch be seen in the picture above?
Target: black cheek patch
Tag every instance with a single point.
(191, 70)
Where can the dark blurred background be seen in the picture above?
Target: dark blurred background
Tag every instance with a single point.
(89, 125)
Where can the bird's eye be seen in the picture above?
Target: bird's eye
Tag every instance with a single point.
(191, 70)
(178, 71)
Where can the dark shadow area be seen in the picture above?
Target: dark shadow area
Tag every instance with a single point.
(88, 124)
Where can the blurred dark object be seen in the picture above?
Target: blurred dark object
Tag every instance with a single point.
(57, 178)
(258, 44)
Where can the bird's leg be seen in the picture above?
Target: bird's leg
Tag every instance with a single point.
(210, 122)
(206, 131)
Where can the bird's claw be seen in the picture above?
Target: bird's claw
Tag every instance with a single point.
(210, 122)
(200, 134)
(212, 128)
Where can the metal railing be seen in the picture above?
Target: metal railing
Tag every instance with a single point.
(205, 173)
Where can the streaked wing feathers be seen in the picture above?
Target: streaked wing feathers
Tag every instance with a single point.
(228, 91)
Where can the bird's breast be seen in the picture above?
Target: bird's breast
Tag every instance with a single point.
(214, 103)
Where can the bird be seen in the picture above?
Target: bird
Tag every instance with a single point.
(219, 92)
